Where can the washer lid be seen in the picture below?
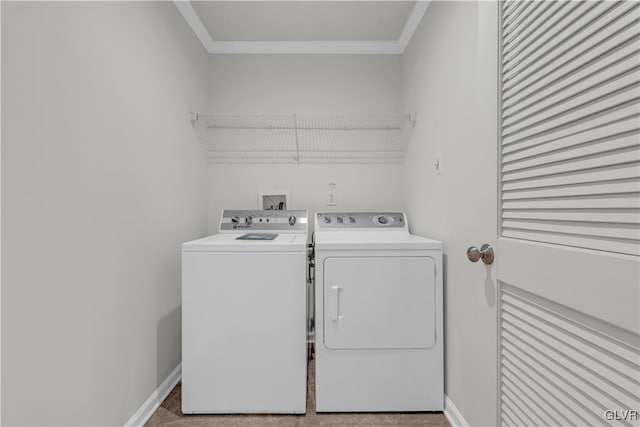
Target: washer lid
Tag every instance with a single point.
(373, 240)
(227, 242)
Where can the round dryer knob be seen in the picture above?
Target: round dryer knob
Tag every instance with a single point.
(383, 220)
(292, 220)
(327, 220)
(248, 220)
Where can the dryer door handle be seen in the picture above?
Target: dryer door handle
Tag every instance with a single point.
(335, 307)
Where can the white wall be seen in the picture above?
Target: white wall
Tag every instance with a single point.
(102, 179)
(450, 79)
(306, 84)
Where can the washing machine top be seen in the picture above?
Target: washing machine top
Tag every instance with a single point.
(256, 231)
(229, 242)
(366, 231)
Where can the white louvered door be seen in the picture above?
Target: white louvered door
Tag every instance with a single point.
(569, 241)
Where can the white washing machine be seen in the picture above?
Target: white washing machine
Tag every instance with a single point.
(244, 337)
(379, 334)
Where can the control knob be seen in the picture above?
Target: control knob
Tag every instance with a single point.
(235, 219)
(327, 220)
(292, 220)
(340, 219)
(248, 220)
(383, 220)
(352, 220)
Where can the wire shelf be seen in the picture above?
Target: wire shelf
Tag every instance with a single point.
(296, 138)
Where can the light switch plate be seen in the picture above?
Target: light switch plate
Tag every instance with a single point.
(331, 196)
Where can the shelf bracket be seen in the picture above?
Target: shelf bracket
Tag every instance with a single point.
(295, 125)
(413, 118)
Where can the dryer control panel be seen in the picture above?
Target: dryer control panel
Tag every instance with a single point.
(264, 220)
(360, 220)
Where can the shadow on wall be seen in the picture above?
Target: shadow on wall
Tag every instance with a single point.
(489, 287)
(168, 339)
(445, 258)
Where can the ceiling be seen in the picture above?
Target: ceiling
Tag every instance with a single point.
(329, 27)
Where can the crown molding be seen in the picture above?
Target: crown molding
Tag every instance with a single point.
(419, 9)
(381, 47)
(310, 47)
(192, 18)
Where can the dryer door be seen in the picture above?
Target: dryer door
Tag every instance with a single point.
(379, 302)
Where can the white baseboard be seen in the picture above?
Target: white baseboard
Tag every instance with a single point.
(147, 409)
(453, 415)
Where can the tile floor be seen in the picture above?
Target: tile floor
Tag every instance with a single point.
(169, 415)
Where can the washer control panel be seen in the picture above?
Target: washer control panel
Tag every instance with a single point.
(264, 220)
(357, 220)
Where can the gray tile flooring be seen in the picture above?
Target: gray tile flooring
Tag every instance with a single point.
(169, 415)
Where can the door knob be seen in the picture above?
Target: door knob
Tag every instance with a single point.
(485, 253)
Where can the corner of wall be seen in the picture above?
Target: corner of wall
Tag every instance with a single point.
(453, 415)
(153, 402)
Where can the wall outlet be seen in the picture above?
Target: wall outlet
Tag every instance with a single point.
(331, 197)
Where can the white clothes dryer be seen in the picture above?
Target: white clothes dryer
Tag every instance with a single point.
(379, 332)
(244, 337)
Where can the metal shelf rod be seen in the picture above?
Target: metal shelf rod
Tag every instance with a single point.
(300, 128)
